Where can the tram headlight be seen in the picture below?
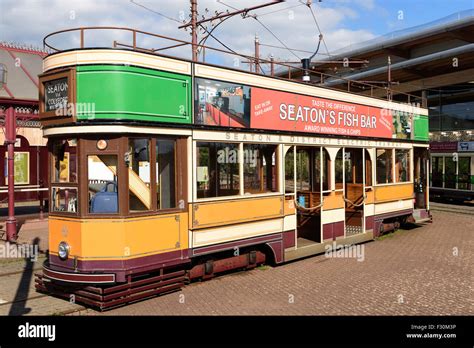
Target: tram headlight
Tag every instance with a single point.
(63, 250)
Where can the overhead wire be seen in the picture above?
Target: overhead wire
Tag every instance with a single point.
(276, 37)
(155, 12)
(317, 25)
(263, 25)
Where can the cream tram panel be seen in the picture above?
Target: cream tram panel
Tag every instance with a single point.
(393, 206)
(115, 57)
(226, 234)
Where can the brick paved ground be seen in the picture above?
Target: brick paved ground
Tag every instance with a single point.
(413, 272)
(17, 275)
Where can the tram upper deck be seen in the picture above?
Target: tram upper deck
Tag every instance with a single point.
(135, 84)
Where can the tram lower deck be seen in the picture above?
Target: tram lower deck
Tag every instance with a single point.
(126, 205)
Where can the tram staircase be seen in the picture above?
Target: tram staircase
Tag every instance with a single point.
(136, 185)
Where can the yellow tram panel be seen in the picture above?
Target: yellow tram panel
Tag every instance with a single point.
(393, 192)
(289, 206)
(65, 230)
(333, 201)
(370, 197)
(157, 234)
(219, 213)
(120, 238)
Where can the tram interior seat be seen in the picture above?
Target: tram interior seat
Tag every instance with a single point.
(105, 201)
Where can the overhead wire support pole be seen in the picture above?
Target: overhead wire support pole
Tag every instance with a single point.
(194, 29)
(257, 54)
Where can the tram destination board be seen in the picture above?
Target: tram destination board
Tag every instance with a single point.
(56, 94)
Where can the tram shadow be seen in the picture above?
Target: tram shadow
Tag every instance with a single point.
(18, 307)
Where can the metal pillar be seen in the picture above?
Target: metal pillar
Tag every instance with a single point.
(10, 137)
(257, 55)
(194, 29)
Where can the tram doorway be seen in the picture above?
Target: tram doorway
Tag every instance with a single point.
(308, 194)
(354, 189)
(420, 160)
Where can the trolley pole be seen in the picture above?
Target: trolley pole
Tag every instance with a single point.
(194, 29)
(10, 137)
(272, 65)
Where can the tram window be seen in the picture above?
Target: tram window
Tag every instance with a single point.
(64, 199)
(353, 168)
(64, 160)
(217, 170)
(384, 166)
(260, 171)
(139, 182)
(326, 170)
(165, 173)
(402, 165)
(317, 170)
(437, 172)
(464, 173)
(339, 167)
(290, 170)
(102, 182)
(368, 169)
(449, 172)
(302, 170)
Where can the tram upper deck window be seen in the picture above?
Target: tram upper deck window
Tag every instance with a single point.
(402, 165)
(384, 166)
(103, 184)
(217, 172)
(139, 171)
(260, 170)
(64, 161)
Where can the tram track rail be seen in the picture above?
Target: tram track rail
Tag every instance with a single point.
(463, 210)
(18, 272)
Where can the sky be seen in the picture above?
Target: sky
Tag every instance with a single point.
(290, 24)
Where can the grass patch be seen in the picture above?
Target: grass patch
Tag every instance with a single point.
(390, 235)
(263, 267)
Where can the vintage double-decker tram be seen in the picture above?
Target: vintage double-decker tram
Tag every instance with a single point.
(165, 170)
